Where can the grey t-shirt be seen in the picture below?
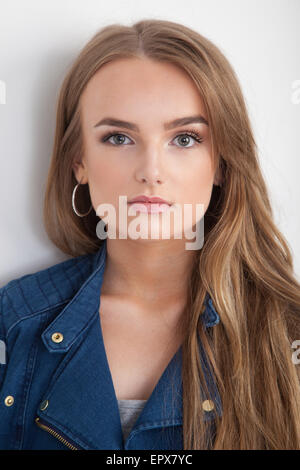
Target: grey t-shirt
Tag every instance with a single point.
(129, 412)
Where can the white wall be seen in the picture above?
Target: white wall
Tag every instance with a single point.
(38, 41)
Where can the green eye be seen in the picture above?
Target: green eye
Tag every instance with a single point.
(190, 134)
(108, 136)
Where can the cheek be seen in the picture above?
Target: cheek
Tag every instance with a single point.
(198, 183)
(105, 180)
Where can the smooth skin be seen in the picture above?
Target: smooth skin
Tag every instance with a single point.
(145, 281)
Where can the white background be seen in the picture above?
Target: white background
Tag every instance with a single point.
(40, 39)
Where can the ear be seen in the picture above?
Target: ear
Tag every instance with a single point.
(80, 172)
(218, 177)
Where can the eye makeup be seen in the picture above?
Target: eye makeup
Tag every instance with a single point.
(189, 132)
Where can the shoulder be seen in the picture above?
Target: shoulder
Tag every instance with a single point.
(42, 290)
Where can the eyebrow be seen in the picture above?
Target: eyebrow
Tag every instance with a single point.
(167, 125)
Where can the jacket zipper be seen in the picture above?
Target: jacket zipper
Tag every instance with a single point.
(55, 434)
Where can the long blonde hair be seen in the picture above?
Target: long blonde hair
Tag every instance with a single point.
(245, 264)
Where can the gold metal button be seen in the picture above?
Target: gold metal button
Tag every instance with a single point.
(208, 405)
(9, 400)
(57, 337)
(44, 405)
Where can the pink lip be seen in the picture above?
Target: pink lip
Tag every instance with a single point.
(149, 200)
(153, 204)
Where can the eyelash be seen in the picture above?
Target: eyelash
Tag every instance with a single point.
(190, 133)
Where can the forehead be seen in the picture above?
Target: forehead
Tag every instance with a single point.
(134, 88)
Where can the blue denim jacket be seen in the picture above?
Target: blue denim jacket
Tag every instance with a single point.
(56, 389)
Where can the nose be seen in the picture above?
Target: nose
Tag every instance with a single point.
(150, 171)
(151, 180)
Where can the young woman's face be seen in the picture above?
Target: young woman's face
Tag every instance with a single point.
(150, 157)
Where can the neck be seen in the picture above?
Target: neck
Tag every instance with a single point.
(155, 273)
